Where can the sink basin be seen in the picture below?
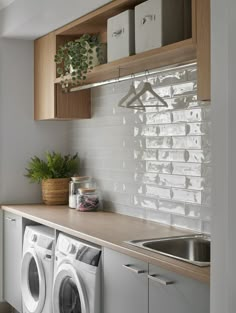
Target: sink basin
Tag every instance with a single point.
(194, 249)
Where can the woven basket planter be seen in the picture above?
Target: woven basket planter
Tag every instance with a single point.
(55, 191)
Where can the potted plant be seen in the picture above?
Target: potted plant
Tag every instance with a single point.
(77, 57)
(54, 174)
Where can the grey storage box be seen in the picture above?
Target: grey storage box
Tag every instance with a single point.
(159, 23)
(120, 36)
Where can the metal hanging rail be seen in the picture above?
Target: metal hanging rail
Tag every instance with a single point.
(132, 76)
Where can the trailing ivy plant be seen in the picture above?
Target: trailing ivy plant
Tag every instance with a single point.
(76, 58)
(54, 166)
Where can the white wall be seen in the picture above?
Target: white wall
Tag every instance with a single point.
(223, 279)
(20, 136)
(32, 18)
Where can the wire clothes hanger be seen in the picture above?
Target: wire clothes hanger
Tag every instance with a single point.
(147, 87)
(132, 92)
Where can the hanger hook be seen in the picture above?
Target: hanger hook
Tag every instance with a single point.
(132, 77)
(146, 75)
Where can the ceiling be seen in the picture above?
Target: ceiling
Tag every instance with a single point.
(5, 3)
(30, 19)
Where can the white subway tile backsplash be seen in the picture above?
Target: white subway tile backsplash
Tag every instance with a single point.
(193, 169)
(163, 92)
(184, 89)
(188, 142)
(198, 211)
(145, 202)
(197, 183)
(153, 190)
(158, 216)
(184, 195)
(183, 102)
(169, 78)
(153, 164)
(200, 156)
(172, 130)
(192, 74)
(198, 129)
(146, 155)
(172, 207)
(192, 115)
(145, 177)
(171, 180)
(158, 167)
(186, 222)
(173, 155)
(158, 118)
(159, 142)
(149, 131)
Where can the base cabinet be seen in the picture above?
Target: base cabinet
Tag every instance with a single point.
(133, 286)
(172, 293)
(125, 283)
(12, 250)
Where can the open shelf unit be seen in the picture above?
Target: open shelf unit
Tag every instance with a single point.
(177, 53)
(196, 47)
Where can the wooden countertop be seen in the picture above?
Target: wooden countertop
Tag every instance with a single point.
(111, 230)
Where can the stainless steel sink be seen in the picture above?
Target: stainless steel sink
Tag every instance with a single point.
(194, 249)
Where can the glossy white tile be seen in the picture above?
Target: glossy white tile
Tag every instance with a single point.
(154, 190)
(154, 164)
(158, 167)
(173, 155)
(172, 207)
(186, 222)
(171, 180)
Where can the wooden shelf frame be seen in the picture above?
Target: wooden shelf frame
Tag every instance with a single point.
(50, 103)
(178, 53)
(96, 22)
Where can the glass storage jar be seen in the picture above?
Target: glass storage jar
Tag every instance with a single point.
(75, 184)
(88, 200)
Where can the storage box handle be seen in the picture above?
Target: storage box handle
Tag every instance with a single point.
(148, 18)
(118, 32)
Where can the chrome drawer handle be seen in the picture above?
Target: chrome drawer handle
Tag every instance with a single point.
(133, 269)
(159, 280)
(10, 219)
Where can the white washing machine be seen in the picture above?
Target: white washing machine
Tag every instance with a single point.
(37, 269)
(77, 277)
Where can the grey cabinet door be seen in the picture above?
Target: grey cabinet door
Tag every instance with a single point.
(12, 249)
(125, 290)
(185, 295)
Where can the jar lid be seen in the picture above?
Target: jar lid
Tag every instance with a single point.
(80, 178)
(86, 190)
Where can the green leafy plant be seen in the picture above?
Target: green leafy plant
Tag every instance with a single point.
(55, 166)
(77, 58)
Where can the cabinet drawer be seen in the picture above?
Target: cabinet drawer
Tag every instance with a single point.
(170, 292)
(125, 284)
(12, 247)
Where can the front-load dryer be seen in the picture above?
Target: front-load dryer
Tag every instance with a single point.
(77, 277)
(37, 269)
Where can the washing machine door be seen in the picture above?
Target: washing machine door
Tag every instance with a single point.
(69, 293)
(33, 282)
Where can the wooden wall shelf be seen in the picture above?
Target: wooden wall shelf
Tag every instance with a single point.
(178, 53)
(50, 103)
